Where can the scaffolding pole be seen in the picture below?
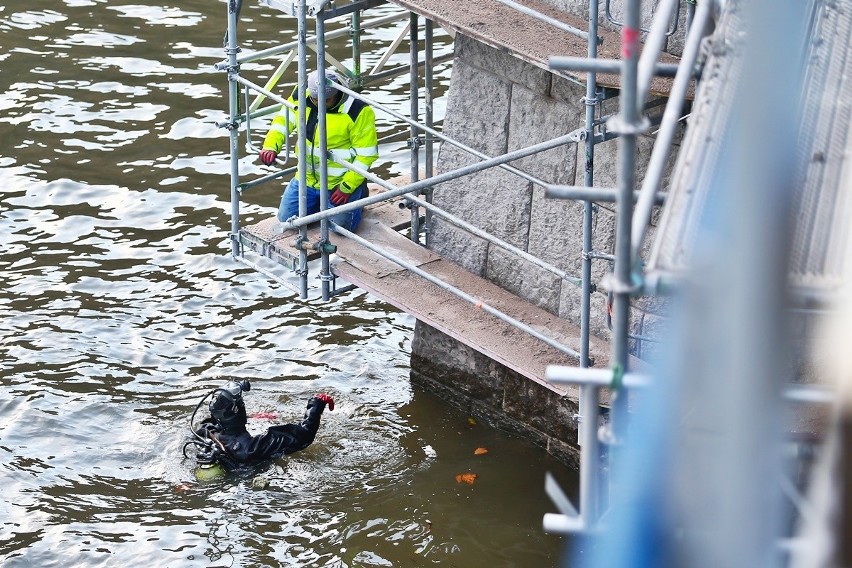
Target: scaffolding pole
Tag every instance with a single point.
(325, 270)
(233, 133)
(429, 117)
(414, 141)
(587, 428)
(303, 148)
(671, 117)
(629, 125)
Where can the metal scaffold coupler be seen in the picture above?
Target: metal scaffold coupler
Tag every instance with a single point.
(612, 284)
(326, 247)
(301, 243)
(228, 125)
(618, 125)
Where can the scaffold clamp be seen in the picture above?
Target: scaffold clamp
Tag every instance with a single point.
(326, 247)
(618, 125)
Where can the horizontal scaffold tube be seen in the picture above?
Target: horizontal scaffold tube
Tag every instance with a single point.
(330, 35)
(554, 523)
(560, 375)
(467, 226)
(456, 291)
(810, 394)
(491, 238)
(269, 94)
(570, 138)
(600, 65)
(583, 193)
(545, 18)
(401, 69)
(443, 137)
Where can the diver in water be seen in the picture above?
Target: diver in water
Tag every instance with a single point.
(223, 443)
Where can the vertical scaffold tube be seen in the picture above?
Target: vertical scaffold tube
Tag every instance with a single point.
(430, 115)
(325, 274)
(629, 120)
(415, 112)
(668, 128)
(589, 399)
(356, 46)
(233, 111)
(303, 146)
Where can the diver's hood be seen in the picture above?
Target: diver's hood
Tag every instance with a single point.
(228, 411)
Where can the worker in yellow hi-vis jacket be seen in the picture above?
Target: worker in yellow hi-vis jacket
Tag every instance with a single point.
(351, 137)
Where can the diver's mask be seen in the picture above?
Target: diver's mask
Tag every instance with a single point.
(227, 407)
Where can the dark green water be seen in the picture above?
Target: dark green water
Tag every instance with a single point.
(121, 307)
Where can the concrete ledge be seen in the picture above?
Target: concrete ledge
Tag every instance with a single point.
(525, 37)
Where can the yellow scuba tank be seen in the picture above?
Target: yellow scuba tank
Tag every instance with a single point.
(209, 471)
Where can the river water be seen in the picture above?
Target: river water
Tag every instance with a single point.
(122, 307)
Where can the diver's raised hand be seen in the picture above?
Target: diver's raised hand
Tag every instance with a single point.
(326, 399)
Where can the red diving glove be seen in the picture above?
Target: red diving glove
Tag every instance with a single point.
(268, 156)
(338, 197)
(326, 399)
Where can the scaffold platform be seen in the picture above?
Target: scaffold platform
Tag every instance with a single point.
(530, 39)
(381, 225)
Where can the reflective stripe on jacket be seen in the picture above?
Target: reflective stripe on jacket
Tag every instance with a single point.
(351, 135)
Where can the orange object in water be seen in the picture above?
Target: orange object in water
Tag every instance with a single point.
(468, 478)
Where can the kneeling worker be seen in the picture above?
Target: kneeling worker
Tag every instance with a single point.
(223, 443)
(351, 137)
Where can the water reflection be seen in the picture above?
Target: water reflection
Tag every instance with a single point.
(121, 308)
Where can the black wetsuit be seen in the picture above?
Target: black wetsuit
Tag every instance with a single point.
(236, 447)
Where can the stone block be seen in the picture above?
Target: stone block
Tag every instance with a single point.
(676, 42)
(564, 452)
(569, 92)
(569, 309)
(578, 8)
(493, 200)
(457, 366)
(540, 408)
(617, 12)
(477, 110)
(524, 279)
(556, 232)
(500, 63)
(535, 119)
(606, 162)
(458, 246)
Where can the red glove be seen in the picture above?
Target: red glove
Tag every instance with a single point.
(338, 197)
(326, 399)
(268, 156)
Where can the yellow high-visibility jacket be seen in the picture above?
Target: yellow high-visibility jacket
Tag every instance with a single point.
(351, 135)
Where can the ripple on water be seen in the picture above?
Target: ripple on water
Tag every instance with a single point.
(121, 308)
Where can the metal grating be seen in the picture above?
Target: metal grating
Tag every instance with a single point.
(821, 208)
(699, 154)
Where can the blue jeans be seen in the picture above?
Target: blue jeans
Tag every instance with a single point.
(290, 204)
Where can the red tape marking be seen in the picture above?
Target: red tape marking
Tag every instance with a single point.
(629, 42)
